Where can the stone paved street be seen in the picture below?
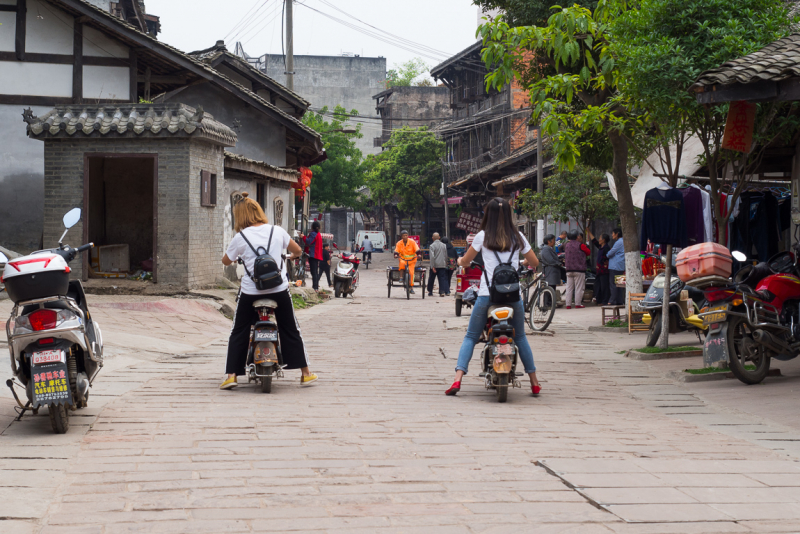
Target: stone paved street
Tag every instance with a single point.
(610, 446)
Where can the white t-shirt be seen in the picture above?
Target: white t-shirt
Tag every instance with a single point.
(259, 237)
(490, 259)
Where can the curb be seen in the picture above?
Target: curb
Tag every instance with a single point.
(682, 376)
(611, 329)
(635, 355)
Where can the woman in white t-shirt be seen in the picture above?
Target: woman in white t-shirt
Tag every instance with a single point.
(498, 238)
(251, 221)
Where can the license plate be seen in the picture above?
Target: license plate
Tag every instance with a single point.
(268, 335)
(715, 314)
(48, 356)
(505, 350)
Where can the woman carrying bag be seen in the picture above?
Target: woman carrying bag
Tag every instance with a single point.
(256, 238)
(498, 241)
(452, 262)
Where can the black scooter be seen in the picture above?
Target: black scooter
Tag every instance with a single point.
(680, 320)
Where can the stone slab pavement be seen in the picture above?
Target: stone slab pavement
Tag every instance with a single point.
(610, 446)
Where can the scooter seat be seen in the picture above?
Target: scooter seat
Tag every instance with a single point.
(265, 303)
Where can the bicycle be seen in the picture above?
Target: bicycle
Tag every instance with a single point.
(541, 306)
(298, 269)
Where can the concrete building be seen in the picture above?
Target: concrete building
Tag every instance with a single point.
(411, 106)
(348, 81)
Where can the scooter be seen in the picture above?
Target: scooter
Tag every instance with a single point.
(680, 320)
(499, 355)
(56, 347)
(264, 358)
(345, 277)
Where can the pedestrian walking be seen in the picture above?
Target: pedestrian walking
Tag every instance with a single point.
(498, 240)
(602, 288)
(575, 263)
(438, 256)
(314, 243)
(252, 224)
(452, 259)
(326, 263)
(616, 267)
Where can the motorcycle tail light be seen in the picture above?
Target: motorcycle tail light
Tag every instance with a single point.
(503, 340)
(737, 302)
(43, 319)
(46, 341)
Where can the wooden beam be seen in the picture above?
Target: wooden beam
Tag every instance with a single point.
(6, 7)
(22, 24)
(77, 63)
(147, 79)
(100, 61)
(133, 76)
(59, 59)
(28, 100)
(172, 80)
(762, 90)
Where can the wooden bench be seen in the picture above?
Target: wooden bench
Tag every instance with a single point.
(635, 322)
(612, 313)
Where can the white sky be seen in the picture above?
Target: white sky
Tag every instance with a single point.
(447, 26)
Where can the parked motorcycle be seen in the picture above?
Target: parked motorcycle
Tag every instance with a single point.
(56, 347)
(757, 318)
(345, 277)
(680, 320)
(499, 355)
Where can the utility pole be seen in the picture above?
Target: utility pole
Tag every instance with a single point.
(541, 223)
(289, 45)
(446, 206)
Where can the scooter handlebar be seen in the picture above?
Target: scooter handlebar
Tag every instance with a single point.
(87, 246)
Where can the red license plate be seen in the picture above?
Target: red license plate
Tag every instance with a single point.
(48, 356)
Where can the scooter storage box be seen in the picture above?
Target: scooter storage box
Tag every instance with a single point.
(704, 259)
(36, 276)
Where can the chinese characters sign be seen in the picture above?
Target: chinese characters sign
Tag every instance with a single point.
(50, 385)
(469, 223)
(739, 127)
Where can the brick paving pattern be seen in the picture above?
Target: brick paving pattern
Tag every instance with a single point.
(610, 446)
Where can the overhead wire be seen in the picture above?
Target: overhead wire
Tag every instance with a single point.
(244, 17)
(256, 18)
(269, 16)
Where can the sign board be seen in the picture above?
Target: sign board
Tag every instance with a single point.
(739, 127)
(469, 223)
(414, 238)
(50, 384)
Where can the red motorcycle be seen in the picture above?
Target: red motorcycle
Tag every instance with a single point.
(755, 319)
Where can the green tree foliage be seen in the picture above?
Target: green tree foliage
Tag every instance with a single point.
(337, 179)
(410, 171)
(663, 46)
(575, 194)
(529, 12)
(407, 74)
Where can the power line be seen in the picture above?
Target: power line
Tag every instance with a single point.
(262, 24)
(244, 17)
(254, 19)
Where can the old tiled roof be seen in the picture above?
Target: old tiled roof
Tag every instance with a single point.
(530, 172)
(776, 61)
(129, 120)
(113, 21)
(471, 49)
(245, 164)
(515, 156)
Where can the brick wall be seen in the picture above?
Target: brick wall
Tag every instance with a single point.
(182, 225)
(519, 124)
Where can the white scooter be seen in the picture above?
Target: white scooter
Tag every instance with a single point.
(56, 348)
(345, 277)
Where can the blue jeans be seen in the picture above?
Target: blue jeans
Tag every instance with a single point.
(477, 320)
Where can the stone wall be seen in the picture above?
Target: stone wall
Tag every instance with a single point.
(206, 224)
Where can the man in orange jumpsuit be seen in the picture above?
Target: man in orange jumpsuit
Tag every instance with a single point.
(408, 252)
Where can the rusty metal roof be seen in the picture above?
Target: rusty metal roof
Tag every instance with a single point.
(129, 120)
(775, 62)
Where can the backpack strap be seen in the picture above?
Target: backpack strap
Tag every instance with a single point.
(250, 244)
(499, 262)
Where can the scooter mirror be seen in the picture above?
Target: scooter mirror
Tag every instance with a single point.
(72, 217)
(739, 256)
(3, 258)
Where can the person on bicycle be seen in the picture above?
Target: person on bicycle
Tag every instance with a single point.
(366, 249)
(250, 217)
(408, 251)
(498, 237)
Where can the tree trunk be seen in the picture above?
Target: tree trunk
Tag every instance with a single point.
(663, 341)
(627, 215)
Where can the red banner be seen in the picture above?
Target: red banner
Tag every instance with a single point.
(739, 127)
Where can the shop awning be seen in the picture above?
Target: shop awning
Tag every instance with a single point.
(452, 200)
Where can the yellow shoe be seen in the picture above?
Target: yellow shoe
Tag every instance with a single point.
(229, 383)
(307, 380)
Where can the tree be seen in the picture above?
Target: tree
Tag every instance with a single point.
(528, 12)
(574, 194)
(407, 74)
(570, 57)
(410, 171)
(337, 179)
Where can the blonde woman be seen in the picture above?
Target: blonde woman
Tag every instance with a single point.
(252, 223)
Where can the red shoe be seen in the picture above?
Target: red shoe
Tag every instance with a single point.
(455, 388)
(569, 307)
(579, 307)
(536, 390)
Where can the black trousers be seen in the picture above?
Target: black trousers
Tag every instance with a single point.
(441, 275)
(617, 293)
(325, 267)
(602, 288)
(365, 254)
(292, 347)
(316, 271)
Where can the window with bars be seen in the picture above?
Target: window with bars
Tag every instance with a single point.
(208, 189)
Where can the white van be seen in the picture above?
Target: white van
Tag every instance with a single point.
(378, 240)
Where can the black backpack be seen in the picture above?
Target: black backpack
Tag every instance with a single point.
(504, 287)
(266, 273)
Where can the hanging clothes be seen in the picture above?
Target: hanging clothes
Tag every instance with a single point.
(708, 228)
(664, 218)
(758, 225)
(693, 207)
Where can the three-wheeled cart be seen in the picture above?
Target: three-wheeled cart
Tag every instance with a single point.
(464, 279)
(396, 277)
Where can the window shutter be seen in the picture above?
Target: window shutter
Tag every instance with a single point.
(205, 188)
(212, 197)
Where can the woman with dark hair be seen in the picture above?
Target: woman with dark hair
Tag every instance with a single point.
(452, 262)
(314, 243)
(249, 216)
(602, 289)
(616, 267)
(575, 263)
(498, 241)
(550, 261)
